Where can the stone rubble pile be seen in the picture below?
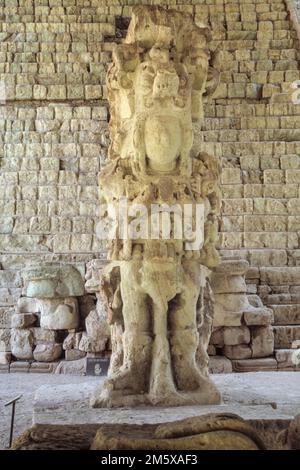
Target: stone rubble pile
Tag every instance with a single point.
(242, 324)
(52, 323)
(60, 320)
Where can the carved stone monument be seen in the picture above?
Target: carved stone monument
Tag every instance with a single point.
(156, 288)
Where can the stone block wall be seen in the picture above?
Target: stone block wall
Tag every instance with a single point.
(54, 138)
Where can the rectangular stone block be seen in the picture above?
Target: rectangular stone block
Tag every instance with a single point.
(266, 257)
(219, 365)
(258, 223)
(6, 314)
(43, 367)
(286, 314)
(19, 366)
(42, 335)
(259, 316)
(5, 335)
(234, 336)
(287, 337)
(28, 305)
(262, 341)
(240, 351)
(281, 276)
(23, 320)
(4, 368)
(269, 240)
(288, 359)
(254, 365)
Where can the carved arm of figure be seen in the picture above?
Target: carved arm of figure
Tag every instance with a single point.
(196, 184)
(205, 178)
(113, 181)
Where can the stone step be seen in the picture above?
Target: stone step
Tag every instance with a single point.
(281, 299)
(249, 58)
(251, 365)
(41, 46)
(233, 46)
(256, 135)
(286, 337)
(277, 276)
(285, 48)
(20, 27)
(46, 37)
(279, 23)
(221, 103)
(286, 314)
(113, 9)
(63, 19)
(62, 5)
(253, 35)
(267, 65)
(244, 110)
(288, 359)
(253, 123)
(272, 148)
(281, 98)
(282, 289)
(252, 109)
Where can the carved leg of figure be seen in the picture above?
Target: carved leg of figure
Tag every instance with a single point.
(162, 382)
(133, 377)
(117, 355)
(184, 344)
(205, 310)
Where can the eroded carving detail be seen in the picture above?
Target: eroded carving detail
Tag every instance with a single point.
(157, 292)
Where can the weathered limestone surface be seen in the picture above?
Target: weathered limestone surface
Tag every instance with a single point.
(210, 432)
(219, 365)
(5, 335)
(274, 399)
(246, 365)
(272, 434)
(156, 290)
(47, 352)
(51, 281)
(23, 320)
(97, 331)
(44, 320)
(6, 316)
(22, 343)
(54, 59)
(288, 359)
(242, 325)
(59, 313)
(5, 358)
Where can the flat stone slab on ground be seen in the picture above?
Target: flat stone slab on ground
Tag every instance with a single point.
(253, 396)
(18, 383)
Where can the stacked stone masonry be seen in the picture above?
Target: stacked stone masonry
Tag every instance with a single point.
(54, 138)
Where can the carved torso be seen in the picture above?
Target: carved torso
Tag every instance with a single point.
(154, 286)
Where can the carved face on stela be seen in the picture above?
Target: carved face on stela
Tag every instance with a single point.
(163, 142)
(174, 51)
(163, 94)
(161, 72)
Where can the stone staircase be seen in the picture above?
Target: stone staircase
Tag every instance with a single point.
(53, 60)
(280, 290)
(257, 124)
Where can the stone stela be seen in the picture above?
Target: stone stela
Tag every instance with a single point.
(157, 293)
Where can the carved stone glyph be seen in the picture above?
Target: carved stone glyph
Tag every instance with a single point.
(157, 290)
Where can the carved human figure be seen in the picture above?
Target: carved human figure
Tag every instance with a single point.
(156, 290)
